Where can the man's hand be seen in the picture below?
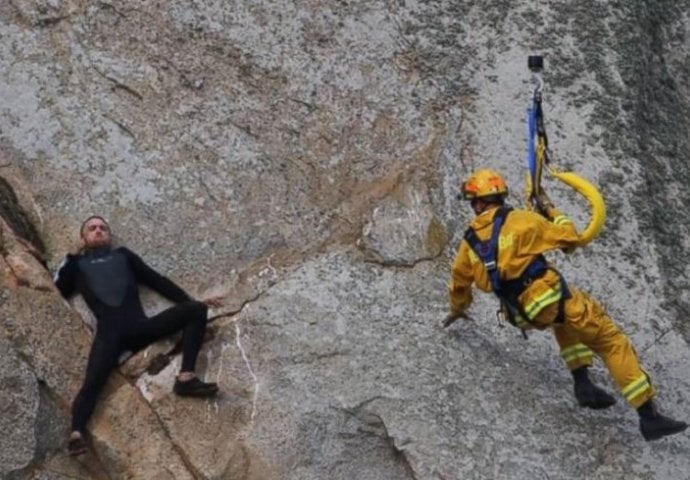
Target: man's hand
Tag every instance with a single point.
(452, 317)
(543, 203)
(77, 247)
(214, 302)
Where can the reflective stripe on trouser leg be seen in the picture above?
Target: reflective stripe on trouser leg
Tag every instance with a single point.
(575, 354)
(587, 320)
(639, 387)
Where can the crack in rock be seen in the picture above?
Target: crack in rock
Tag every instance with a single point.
(18, 220)
(372, 424)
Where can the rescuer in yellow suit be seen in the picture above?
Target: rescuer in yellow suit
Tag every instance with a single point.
(502, 251)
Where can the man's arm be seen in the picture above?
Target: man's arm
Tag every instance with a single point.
(461, 279)
(565, 231)
(558, 231)
(154, 280)
(65, 276)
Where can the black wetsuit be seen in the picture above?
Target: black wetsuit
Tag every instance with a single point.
(108, 280)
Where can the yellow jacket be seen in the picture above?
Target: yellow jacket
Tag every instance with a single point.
(524, 236)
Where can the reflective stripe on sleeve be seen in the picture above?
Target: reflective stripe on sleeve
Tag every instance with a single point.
(562, 220)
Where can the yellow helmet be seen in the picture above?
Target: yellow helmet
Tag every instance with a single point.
(484, 183)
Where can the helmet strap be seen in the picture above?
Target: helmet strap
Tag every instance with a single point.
(481, 204)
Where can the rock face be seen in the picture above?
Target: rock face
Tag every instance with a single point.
(20, 404)
(303, 158)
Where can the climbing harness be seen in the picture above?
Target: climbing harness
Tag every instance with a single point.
(508, 291)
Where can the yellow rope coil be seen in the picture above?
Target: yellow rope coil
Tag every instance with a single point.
(590, 192)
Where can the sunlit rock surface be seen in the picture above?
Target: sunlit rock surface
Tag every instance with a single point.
(303, 158)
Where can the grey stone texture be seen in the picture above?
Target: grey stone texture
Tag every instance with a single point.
(303, 159)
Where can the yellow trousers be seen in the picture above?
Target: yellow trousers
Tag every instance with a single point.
(588, 330)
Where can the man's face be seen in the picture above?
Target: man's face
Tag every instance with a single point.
(96, 233)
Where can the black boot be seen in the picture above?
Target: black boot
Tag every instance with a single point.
(195, 388)
(654, 425)
(76, 446)
(589, 395)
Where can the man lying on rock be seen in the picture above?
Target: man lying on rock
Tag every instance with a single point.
(108, 278)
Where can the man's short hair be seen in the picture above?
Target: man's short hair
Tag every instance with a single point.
(83, 224)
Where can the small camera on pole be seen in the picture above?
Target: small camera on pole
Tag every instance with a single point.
(535, 63)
